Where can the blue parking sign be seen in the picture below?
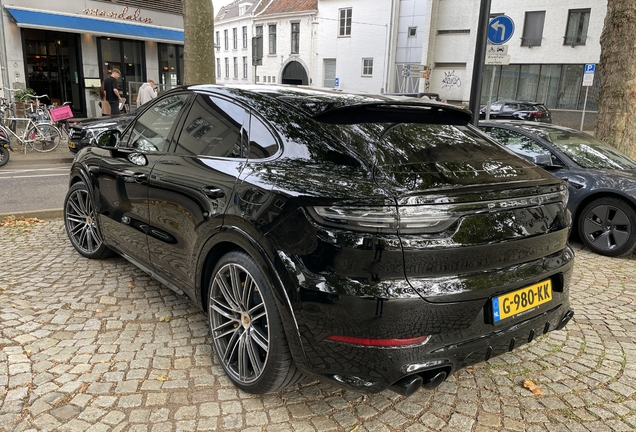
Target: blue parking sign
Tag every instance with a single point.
(336, 82)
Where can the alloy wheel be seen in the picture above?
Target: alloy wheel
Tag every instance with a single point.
(81, 222)
(239, 323)
(607, 227)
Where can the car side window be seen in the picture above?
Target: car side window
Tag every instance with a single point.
(262, 142)
(213, 127)
(151, 130)
(518, 143)
(510, 107)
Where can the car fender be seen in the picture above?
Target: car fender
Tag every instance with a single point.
(229, 238)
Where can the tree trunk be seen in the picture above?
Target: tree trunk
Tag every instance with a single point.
(616, 120)
(198, 46)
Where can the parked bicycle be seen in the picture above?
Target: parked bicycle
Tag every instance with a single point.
(40, 136)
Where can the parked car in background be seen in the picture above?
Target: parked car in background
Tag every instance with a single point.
(518, 110)
(83, 133)
(370, 241)
(602, 181)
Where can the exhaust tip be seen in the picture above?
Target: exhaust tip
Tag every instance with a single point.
(435, 380)
(407, 385)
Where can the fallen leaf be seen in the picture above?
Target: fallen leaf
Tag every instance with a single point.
(83, 388)
(98, 310)
(355, 428)
(532, 387)
(132, 286)
(162, 378)
(164, 319)
(28, 353)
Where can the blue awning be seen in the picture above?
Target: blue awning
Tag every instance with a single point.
(99, 26)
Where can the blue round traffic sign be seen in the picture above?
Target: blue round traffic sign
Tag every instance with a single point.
(500, 29)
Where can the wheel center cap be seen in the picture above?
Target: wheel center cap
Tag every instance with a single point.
(246, 321)
(89, 220)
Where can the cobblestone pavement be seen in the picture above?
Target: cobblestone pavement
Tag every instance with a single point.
(98, 345)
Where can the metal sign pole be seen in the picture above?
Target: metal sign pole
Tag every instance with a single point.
(492, 84)
(587, 89)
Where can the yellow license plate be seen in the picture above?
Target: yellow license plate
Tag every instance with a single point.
(521, 300)
(71, 144)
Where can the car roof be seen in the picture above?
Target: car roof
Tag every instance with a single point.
(339, 107)
(518, 101)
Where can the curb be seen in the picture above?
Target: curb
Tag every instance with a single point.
(39, 161)
(40, 214)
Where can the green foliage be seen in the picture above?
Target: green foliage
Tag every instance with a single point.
(23, 95)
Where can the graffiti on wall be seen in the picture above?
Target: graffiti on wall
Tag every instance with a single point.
(451, 80)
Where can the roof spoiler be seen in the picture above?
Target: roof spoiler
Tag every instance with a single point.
(396, 112)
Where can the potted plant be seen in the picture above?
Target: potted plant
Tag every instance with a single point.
(22, 97)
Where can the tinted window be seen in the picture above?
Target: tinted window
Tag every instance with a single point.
(518, 143)
(589, 152)
(152, 129)
(214, 127)
(262, 142)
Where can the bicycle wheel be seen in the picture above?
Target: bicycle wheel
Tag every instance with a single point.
(7, 115)
(43, 137)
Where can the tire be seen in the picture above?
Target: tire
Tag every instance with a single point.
(43, 137)
(246, 328)
(608, 227)
(4, 155)
(81, 223)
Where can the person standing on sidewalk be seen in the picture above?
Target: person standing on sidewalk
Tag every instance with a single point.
(146, 92)
(112, 92)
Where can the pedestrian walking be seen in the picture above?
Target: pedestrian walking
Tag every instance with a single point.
(112, 92)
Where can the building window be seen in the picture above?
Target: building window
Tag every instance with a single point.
(257, 79)
(576, 31)
(367, 67)
(295, 38)
(412, 31)
(218, 68)
(273, 79)
(345, 22)
(244, 36)
(458, 31)
(234, 38)
(227, 67)
(329, 68)
(533, 29)
(244, 67)
(235, 67)
(226, 41)
(272, 38)
(170, 65)
(218, 41)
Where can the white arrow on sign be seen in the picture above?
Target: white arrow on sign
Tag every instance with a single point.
(498, 26)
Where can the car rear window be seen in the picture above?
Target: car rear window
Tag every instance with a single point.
(416, 143)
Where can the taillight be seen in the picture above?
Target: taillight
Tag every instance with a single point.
(384, 220)
(379, 343)
(536, 114)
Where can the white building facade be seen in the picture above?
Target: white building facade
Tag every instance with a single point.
(64, 49)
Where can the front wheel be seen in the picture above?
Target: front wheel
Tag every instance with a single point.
(4, 155)
(246, 328)
(80, 220)
(43, 137)
(608, 227)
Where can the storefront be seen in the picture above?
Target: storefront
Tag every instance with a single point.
(67, 50)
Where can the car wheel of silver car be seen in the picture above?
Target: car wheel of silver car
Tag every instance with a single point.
(81, 223)
(246, 328)
(608, 227)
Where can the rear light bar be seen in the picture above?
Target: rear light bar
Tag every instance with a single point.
(379, 343)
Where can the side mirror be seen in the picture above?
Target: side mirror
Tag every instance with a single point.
(542, 160)
(108, 139)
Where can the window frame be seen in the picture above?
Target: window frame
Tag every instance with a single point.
(244, 37)
(345, 19)
(244, 67)
(577, 39)
(218, 41)
(295, 37)
(226, 43)
(368, 67)
(530, 25)
(234, 38)
(271, 39)
(235, 67)
(227, 67)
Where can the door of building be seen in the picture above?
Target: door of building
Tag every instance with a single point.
(53, 67)
(126, 55)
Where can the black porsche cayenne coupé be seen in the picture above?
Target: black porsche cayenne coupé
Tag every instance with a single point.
(370, 241)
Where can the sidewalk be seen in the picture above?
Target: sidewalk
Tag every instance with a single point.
(60, 155)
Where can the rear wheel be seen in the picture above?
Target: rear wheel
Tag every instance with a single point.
(43, 137)
(80, 220)
(246, 328)
(4, 155)
(608, 227)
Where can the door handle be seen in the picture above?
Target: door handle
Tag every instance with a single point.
(140, 178)
(212, 192)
